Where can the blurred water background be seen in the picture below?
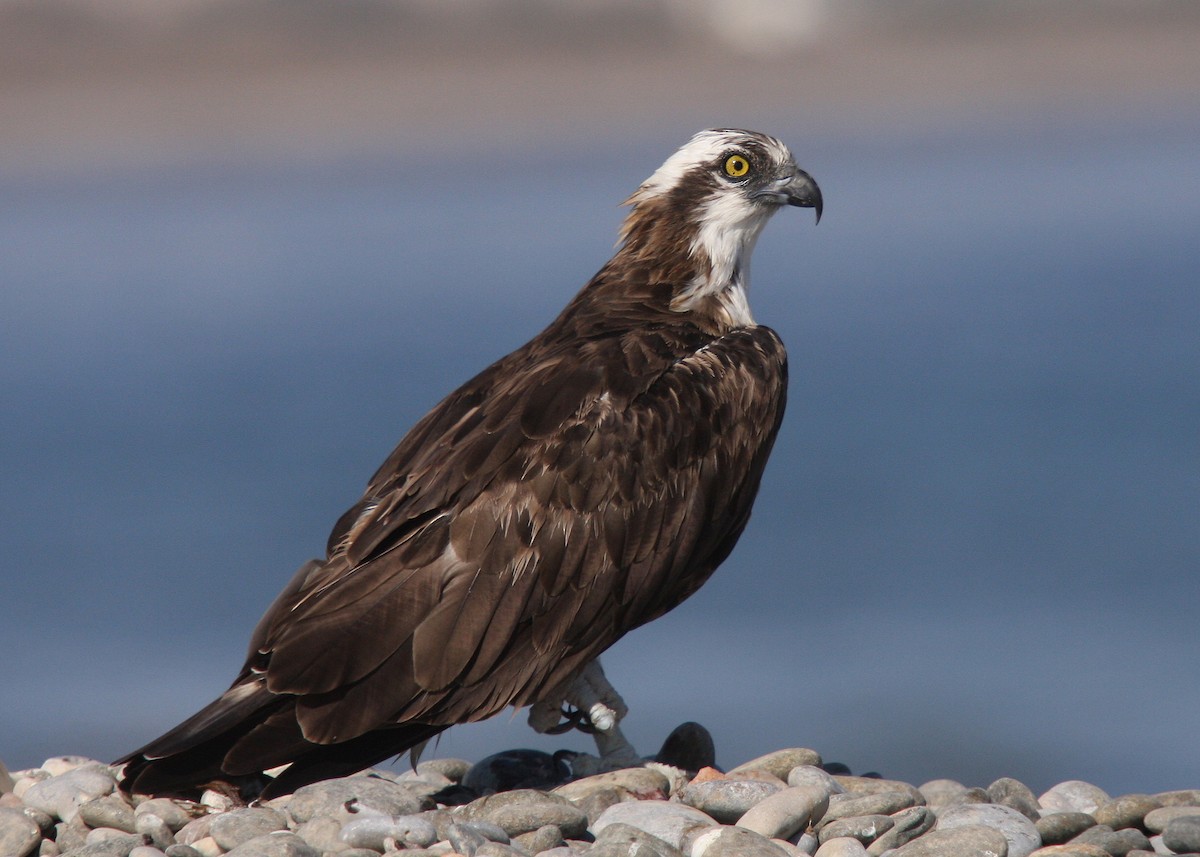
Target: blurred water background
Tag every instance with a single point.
(244, 246)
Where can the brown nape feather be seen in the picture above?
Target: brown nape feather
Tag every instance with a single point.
(582, 486)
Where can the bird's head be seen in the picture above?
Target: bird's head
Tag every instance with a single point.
(705, 206)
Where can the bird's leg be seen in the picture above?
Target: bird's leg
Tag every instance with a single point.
(593, 705)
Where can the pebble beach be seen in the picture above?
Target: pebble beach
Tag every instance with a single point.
(522, 803)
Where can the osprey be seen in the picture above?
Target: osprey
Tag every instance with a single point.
(582, 486)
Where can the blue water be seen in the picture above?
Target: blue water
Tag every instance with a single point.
(976, 551)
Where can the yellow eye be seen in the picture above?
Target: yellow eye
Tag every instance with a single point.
(736, 166)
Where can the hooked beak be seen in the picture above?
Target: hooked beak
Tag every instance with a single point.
(802, 191)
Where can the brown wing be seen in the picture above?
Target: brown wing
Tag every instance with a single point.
(552, 504)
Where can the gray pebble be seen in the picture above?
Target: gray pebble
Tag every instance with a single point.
(735, 842)
(155, 829)
(108, 811)
(640, 783)
(594, 805)
(172, 814)
(281, 843)
(109, 846)
(372, 831)
(728, 799)
(543, 839)
(231, 829)
(1182, 834)
(489, 831)
(966, 841)
(178, 850)
(871, 785)
(784, 813)
(360, 792)
(1117, 843)
(1015, 794)
(1059, 827)
(843, 847)
(194, 830)
(496, 849)
(939, 793)
(810, 775)
(624, 840)
(780, 762)
(907, 825)
(62, 796)
(1179, 797)
(452, 769)
(1156, 820)
(1073, 796)
(464, 840)
(523, 810)
(879, 803)
(670, 822)
(146, 851)
(1020, 832)
(19, 834)
(71, 834)
(1126, 810)
(322, 833)
(865, 828)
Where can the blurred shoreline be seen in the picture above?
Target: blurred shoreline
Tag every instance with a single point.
(216, 81)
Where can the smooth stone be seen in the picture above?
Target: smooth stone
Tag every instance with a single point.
(109, 811)
(1126, 810)
(786, 812)
(231, 829)
(1020, 832)
(1182, 834)
(811, 775)
(780, 762)
(1081, 849)
(372, 831)
(943, 792)
(147, 851)
(1179, 797)
(168, 810)
(865, 828)
(281, 843)
(150, 825)
(178, 850)
(1156, 820)
(464, 840)
(907, 825)
(19, 834)
(594, 805)
(805, 843)
(673, 823)
(207, 847)
(639, 783)
(1059, 827)
(843, 847)
(879, 803)
(1073, 796)
(109, 846)
(543, 839)
(194, 830)
(689, 747)
(516, 769)
(69, 835)
(355, 793)
(624, 840)
(735, 842)
(1015, 794)
(322, 833)
(969, 840)
(872, 785)
(58, 765)
(452, 769)
(496, 849)
(62, 796)
(727, 800)
(1117, 843)
(99, 834)
(523, 810)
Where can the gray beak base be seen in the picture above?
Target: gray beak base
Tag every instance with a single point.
(803, 192)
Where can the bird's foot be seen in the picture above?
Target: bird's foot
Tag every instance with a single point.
(590, 704)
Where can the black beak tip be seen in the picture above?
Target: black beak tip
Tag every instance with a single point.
(807, 195)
